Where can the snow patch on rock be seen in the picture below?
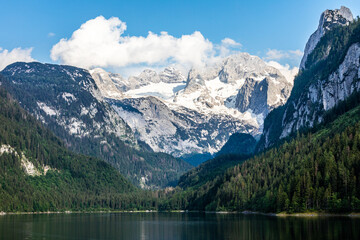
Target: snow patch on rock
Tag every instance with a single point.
(68, 97)
(47, 109)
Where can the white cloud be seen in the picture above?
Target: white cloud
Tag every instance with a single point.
(274, 54)
(289, 73)
(51, 34)
(101, 42)
(230, 42)
(16, 55)
(227, 47)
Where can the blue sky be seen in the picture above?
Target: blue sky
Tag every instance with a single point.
(259, 26)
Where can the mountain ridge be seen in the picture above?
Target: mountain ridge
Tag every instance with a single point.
(67, 100)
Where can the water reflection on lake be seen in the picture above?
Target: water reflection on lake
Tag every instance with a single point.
(171, 226)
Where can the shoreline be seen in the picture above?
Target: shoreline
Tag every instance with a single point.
(308, 214)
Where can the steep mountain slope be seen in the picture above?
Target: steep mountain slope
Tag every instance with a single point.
(240, 147)
(239, 143)
(316, 171)
(67, 100)
(67, 97)
(38, 174)
(331, 75)
(209, 170)
(197, 117)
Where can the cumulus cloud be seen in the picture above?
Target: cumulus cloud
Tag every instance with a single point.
(230, 42)
(101, 42)
(292, 55)
(16, 55)
(289, 73)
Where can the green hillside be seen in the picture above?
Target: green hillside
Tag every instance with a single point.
(73, 181)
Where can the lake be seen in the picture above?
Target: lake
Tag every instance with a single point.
(171, 226)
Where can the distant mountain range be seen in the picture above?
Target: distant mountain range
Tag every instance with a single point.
(196, 114)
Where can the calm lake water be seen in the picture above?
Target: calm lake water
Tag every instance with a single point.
(171, 226)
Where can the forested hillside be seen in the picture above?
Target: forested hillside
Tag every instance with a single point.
(37, 173)
(314, 171)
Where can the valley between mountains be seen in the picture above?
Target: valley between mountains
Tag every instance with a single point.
(240, 134)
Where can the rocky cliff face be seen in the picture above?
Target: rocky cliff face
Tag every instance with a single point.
(324, 94)
(110, 85)
(262, 96)
(328, 20)
(171, 75)
(344, 81)
(333, 76)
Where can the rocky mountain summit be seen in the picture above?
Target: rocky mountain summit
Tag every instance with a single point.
(331, 75)
(328, 20)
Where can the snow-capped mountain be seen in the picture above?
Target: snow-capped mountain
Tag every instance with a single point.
(197, 114)
(72, 104)
(328, 20)
(331, 75)
(241, 84)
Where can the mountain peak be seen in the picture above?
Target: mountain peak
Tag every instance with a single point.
(328, 20)
(171, 75)
(346, 13)
(332, 18)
